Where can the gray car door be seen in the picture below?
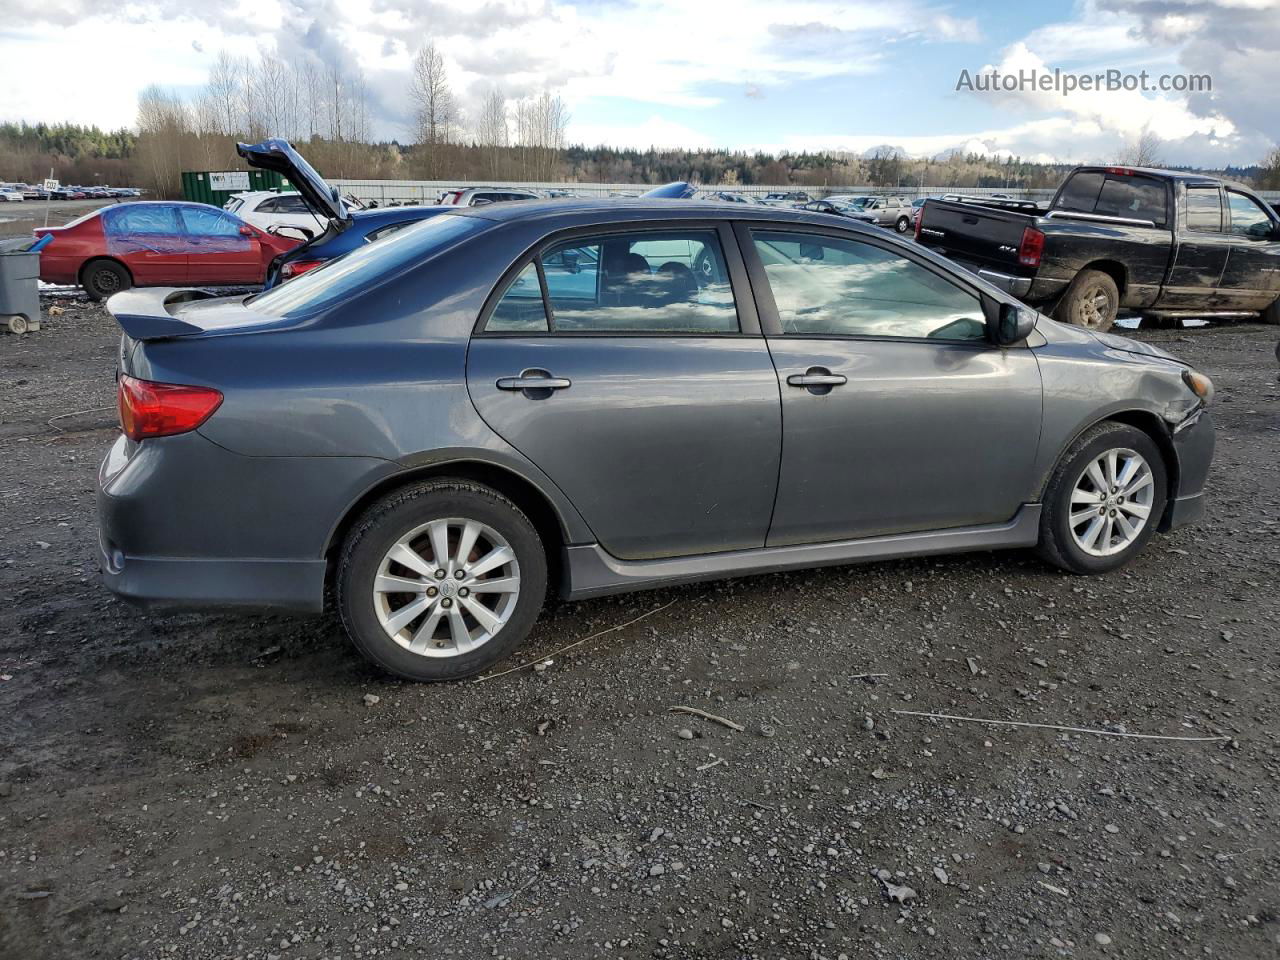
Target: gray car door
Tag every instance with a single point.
(898, 415)
(629, 367)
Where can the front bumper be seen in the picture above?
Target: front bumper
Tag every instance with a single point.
(1193, 443)
(183, 522)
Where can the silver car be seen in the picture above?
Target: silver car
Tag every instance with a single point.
(893, 212)
(593, 396)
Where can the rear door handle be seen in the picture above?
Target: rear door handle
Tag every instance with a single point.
(815, 379)
(534, 380)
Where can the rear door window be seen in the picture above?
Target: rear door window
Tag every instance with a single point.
(653, 282)
(1204, 209)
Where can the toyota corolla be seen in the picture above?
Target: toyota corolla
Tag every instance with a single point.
(598, 396)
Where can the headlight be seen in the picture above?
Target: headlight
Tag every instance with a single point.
(1198, 384)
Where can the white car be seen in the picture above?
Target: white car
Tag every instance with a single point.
(11, 195)
(477, 196)
(266, 209)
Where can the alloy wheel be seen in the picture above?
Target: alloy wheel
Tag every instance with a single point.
(445, 588)
(1111, 502)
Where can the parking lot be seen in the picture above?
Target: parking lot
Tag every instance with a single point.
(18, 219)
(242, 786)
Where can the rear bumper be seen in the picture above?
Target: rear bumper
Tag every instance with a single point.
(1018, 286)
(183, 522)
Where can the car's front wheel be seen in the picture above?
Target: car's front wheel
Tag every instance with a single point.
(1104, 500)
(441, 580)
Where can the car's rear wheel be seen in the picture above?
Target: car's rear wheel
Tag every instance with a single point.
(1271, 315)
(1104, 500)
(102, 278)
(903, 224)
(441, 580)
(1091, 301)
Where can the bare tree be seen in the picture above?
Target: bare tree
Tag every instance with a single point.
(492, 132)
(164, 127)
(1143, 150)
(1269, 175)
(226, 93)
(436, 110)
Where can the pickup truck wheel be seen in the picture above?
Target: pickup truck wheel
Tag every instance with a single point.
(1090, 302)
(903, 224)
(1271, 315)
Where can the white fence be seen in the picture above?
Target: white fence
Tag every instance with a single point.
(428, 191)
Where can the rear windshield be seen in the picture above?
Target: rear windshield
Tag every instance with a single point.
(1133, 197)
(324, 286)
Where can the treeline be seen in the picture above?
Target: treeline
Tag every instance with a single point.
(74, 153)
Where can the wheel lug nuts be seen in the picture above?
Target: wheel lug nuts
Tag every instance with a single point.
(459, 574)
(440, 574)
(432, 591)
(464, 592)
(446, 602)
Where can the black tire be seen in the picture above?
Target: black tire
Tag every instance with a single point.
(903, 224)
(1057, 543)
(1271, 315)
(102, 278)
(1082, 305)
(390, 518)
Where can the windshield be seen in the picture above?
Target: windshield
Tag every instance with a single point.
(340, 278)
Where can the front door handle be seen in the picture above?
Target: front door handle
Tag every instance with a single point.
(817, 377)
(536, 384)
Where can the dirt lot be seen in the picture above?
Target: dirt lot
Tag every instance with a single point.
(236, 786)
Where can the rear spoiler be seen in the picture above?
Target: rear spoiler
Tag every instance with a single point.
(147, 314)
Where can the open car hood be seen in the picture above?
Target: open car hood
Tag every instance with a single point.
(279, 155)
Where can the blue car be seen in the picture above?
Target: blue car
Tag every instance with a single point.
(348, 229)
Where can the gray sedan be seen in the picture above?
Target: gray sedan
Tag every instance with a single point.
(600, 396)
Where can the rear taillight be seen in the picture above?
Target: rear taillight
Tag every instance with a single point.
(919, 220)
(295, 267)
(150, 409)
(1031, 248)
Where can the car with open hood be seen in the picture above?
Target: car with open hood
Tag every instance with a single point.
(345, 228)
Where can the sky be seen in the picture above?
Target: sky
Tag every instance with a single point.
(848, 75)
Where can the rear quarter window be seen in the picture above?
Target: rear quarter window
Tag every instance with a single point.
(1080, 193)
(1138, 198)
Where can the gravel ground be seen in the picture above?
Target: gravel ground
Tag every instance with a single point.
(238, 786)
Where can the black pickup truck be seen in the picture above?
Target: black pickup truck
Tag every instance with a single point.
(1163, 242)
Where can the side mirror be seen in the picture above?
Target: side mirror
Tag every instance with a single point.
(1013, 325)
(246, 231)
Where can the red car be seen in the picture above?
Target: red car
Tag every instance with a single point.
(158, 244)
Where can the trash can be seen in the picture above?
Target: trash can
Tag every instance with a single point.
(20, 289)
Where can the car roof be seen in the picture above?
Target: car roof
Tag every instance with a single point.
(588, 211)
(378, 215)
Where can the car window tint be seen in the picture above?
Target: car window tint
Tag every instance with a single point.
(841, 287)
(653, 282)
(1080, 193)
(1247, 218)
(293, 205)
(345, 276)
(521, 309)
(268, 206)
(1138, 198)
(210, 222)
(1204, 209)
